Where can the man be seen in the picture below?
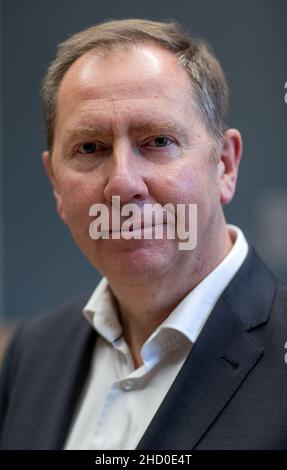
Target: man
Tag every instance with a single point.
(176, 349)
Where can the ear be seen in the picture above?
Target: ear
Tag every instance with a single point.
(47, 161)
(228, 166)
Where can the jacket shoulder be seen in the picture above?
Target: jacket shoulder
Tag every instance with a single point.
(45, 334)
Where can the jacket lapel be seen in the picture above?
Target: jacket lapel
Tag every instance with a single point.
(72, 371)
(221, 358)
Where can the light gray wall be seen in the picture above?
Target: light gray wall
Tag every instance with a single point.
(42, 265)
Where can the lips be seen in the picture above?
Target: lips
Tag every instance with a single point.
(134, 227)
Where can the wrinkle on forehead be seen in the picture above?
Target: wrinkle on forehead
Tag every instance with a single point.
(123, 100)
(140, 113)
(129, 89)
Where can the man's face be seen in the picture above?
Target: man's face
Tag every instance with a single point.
(126, 126)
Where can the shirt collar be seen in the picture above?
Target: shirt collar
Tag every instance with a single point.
(101, 312)
(192, 312)
(190, 315)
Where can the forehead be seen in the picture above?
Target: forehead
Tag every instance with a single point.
(140, 63)
(141, 82)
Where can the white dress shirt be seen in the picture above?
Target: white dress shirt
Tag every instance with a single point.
(118, 401)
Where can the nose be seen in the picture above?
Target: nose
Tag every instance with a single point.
(125, 176)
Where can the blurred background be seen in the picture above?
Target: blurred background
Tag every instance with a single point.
(39, 264)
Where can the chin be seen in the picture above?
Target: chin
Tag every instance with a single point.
(137, 260)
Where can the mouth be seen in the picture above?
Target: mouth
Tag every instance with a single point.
(134, 229)
(138, 227)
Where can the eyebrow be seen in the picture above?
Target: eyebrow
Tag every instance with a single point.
(136, 128)
(155, 126)
(71, 134)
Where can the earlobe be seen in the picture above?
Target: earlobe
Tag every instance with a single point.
(229, 164)
(51, 176)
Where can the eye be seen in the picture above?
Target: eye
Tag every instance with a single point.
(87, 148)
(159, 142)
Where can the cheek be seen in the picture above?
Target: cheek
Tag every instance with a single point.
(78, 194)
(181, 186)
(192, 185)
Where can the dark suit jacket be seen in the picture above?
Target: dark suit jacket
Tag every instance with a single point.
(231, 392)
